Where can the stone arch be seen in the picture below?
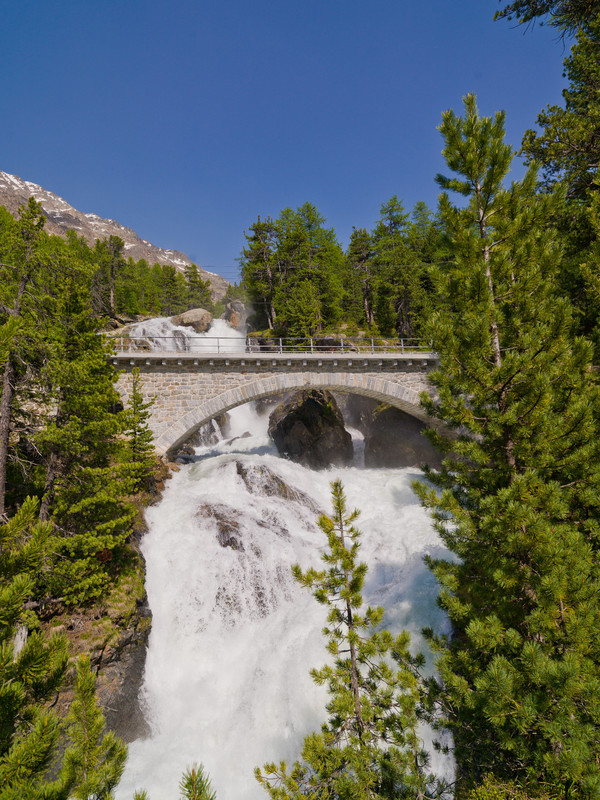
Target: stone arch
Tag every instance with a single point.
(379, 388)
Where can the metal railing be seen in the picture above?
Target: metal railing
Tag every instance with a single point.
(211, 345)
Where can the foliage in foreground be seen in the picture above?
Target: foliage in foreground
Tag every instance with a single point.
(30, 676)
(194, 785)
(518, 500)
(369, 747)
(566, 15)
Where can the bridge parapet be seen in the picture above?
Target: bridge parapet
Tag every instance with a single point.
(218, 345)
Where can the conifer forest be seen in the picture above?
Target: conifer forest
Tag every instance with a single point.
(503, 276)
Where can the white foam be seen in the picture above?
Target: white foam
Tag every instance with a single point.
(233, 636)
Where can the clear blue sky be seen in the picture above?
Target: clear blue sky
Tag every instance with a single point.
(185, 119)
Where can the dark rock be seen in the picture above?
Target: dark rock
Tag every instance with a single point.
(228, 524)
(395, 439)
(331, 345)
(122, 678)
(357, 410)
(264, 482)
(308, 428)
(263, 344)
(204, 436)
(236, 315)
(197, 318)
(224, 423)
(245, 435)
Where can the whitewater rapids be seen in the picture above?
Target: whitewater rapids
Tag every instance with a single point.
(233, 636)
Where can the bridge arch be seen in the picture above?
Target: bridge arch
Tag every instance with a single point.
(404, 397)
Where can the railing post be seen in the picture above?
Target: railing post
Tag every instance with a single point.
(311, 346)
(218, 345)
(372, 346)
(280, 346)
(402, 346)
(342, 341)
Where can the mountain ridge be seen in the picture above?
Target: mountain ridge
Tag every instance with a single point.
(61, 217)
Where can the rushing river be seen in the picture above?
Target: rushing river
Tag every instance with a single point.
(233, 636)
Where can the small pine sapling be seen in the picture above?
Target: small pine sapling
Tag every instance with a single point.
(369, 747)
(194, 785)
(95, 760)
(140, 439)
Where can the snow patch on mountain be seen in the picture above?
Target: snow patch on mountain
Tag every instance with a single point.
(62, 217)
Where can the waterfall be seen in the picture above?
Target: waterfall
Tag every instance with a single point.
(162, 334)
(233, 636)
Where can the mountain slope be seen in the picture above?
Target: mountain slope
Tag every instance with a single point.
(61, 217)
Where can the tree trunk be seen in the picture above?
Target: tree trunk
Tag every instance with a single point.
(354, 674)
(353, 664)
(488, 274)
(51, 473)
(509, 445)
(8, 390)
(111, 300)
(367, 303)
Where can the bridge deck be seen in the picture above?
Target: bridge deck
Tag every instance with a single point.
(300, 359)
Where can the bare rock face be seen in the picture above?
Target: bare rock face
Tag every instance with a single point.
(395, 439)
(264, 482)
(197, 318)
(62, 217)
(236, 315)
(122, 678)
(308, 428)
(228, 522)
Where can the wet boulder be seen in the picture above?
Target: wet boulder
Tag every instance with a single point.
(197, 318)
(260, 480)
(309, 428)
(395, 439)
(227, 521)
(235, 315)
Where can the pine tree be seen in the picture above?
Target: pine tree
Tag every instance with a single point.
(360, 262)
(259, 273)
(198, 290)
(173, 290)
(20, 254)
(369, 747)
(87, 478)
(308, 253)
(518, 501)
(95, 759)
(299, 310)
(195, 785)
(400, 305)
(568, 144)
(139, 436)
(29, 675)
(566, 15)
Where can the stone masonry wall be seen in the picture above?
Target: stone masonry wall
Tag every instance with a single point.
(187, 394)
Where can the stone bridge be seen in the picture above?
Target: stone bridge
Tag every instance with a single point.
(190, 389)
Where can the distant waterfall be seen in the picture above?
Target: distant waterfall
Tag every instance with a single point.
(162, 334)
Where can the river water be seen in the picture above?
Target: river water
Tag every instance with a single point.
(233, 636)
